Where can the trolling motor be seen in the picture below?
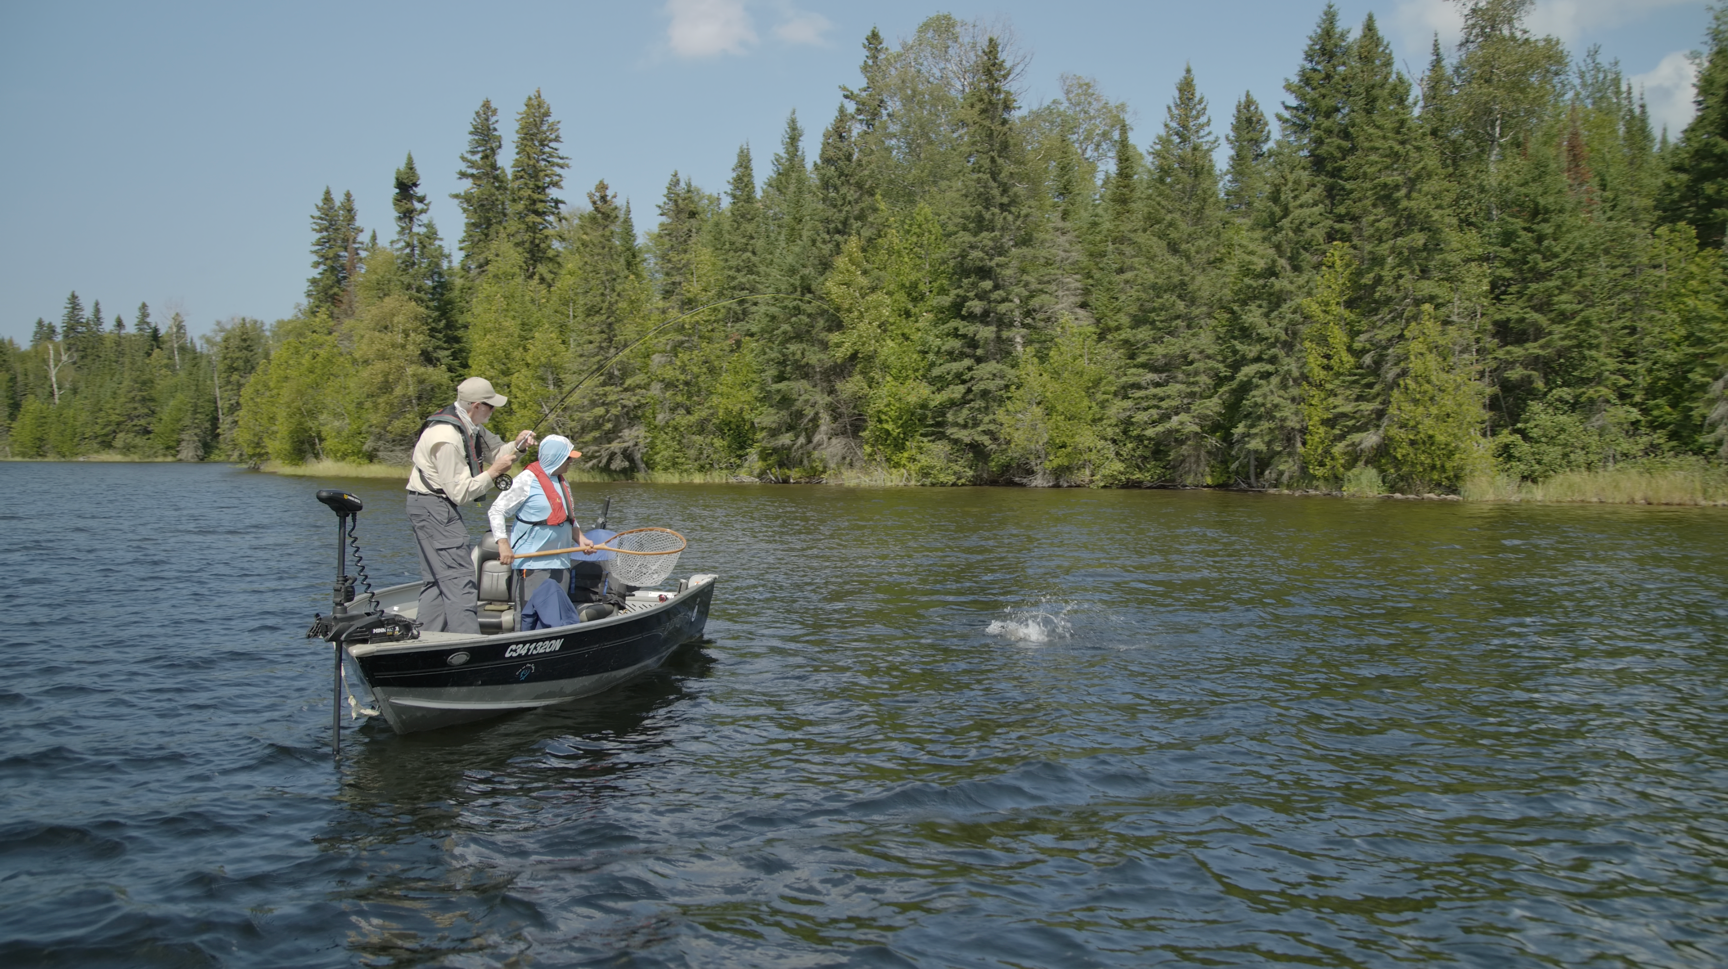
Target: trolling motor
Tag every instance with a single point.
(344, 625)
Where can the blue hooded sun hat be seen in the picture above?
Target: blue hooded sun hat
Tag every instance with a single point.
(554, 449)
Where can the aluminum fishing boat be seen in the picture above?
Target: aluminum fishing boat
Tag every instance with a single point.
(418, 680)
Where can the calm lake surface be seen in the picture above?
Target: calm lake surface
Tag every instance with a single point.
(972, 727)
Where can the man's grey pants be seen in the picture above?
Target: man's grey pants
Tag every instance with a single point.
(448, 599)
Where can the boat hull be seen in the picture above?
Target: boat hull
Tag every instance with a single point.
(441, 680)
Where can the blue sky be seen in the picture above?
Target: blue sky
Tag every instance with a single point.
(172, 152)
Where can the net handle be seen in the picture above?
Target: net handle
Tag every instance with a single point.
(609, 547)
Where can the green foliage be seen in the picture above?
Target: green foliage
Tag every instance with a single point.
(335, 254)
(536, 173)
(1436, 415)
(486, 201)
(971, 292)
(1328, 366)
(1697, 188)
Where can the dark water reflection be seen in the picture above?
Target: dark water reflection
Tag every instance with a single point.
(966, 727)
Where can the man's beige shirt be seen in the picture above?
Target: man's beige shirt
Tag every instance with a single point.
(440, 466)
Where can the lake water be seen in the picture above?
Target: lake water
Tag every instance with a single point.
(972, 727)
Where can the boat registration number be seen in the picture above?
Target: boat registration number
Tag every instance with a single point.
(534, 649)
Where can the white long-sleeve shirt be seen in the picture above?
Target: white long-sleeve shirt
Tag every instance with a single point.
(505, 506)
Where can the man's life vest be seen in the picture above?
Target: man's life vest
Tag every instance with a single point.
(470, 438)
(558, 497)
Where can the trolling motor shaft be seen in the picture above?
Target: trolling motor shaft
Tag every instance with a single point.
(345, 625)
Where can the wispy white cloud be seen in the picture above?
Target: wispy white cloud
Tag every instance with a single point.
(801, 27)
(706, 28)
(1569, 19)
(1668, 90)
(1415, 22)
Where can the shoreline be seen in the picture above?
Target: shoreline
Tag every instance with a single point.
(1670, 488)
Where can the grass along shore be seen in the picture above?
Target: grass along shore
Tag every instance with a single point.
(1624, 486)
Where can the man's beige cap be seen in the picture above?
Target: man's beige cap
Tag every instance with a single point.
(478, 390)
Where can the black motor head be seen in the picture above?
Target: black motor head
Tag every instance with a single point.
(340, 502)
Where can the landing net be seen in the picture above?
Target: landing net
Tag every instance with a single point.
(646, 556)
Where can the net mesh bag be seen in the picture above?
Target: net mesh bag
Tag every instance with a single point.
(645, 557)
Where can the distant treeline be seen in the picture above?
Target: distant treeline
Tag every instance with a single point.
(1495, 268)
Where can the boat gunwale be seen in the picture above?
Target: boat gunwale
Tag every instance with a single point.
(360, 650)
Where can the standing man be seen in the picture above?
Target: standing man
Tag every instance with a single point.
(446, 473)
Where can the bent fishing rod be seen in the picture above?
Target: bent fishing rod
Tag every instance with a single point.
(503, 481)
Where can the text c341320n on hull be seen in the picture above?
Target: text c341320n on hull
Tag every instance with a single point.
(422, 680)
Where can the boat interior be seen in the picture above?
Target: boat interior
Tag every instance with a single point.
(498, 607)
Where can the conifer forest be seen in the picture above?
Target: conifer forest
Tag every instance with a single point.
(1496, 268)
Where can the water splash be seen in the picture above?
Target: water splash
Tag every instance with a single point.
(1043, 623)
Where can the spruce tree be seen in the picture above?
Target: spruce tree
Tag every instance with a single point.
(75, 327)
(840, 192)
(1314, 120)
(870, 118)
(792, 333)
(536, 172)
(329, 257)
(1394, 209)
(144, 327)
(1176, 398)
(1696, 191)
(684, 212)
(738, 238)
(486, 201)
(1248, 140)
(1265, 323)
(988, 288)
(608, 300)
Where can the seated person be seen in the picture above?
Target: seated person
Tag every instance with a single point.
(539, 502)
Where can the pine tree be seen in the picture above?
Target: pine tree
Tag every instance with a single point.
(536, 172)
(486, 201)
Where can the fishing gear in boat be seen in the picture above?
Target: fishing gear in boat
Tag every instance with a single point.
(504, 481)
(649, 555)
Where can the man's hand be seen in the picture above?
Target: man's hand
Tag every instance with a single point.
(584, 545)
(500, 464)
(525, 440)
(504, 554)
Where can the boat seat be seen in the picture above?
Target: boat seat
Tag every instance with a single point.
(492, 582)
